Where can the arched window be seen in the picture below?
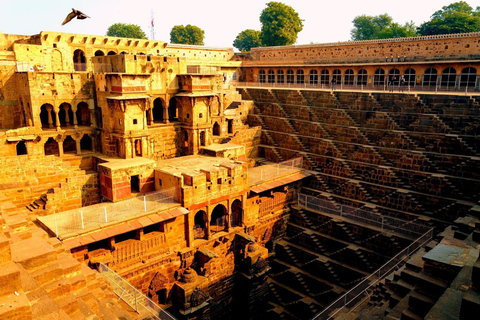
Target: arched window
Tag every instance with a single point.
(51, 147)
(21, 148)
(337, 75)
(313, 77)
(349, 77)
(430, 77)
(280, 76)
(157, 111)
(468, 78)
(199, 225)
(300, 76)
(83, 114)
(449, 77)
(111, 53)
(99, 53)
(362, 77)
(271, 76)
(261, 76)
(216, 129)
(79, 60)
(290, 76)
(379, 77)
(69, 145)
(218, 222)
(47, 116)
(236, 217)
(324, 77)
(86, 143)
(394, 75)
(410, 77)
(172, 110)
(65, 114)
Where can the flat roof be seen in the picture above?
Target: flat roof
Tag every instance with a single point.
(194, 164)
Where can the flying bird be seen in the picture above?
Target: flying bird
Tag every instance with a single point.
(75, 13)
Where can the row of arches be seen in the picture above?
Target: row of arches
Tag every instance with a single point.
(65, 116)
(431, 77)
(68, 145)
(160, 113)
(219, 220)
(80, 60)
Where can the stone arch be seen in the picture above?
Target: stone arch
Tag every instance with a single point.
(300, 76)
(261, 76)
(324, 77)
(65, 114)
(349, 78)
(468, 77)
(449, 77)
(83, 114)
(21, 148)
(157, 290)
(51, 147)
(86, 143)
(362, 77)
(69, 145)
(410, 79)
(271, 76)
(111, 53)
(57, 60)
(379, 77)
(236, 216)
(47, 116)
(290, 76)
(200, 225)
(216, 129)
(157, 110)
(79, 60)
(313, 77)
(337, 75)
(430, 77)
(219, 219)
(172, 110)
(99, 53)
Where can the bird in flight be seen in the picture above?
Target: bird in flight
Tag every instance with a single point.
(75, 13)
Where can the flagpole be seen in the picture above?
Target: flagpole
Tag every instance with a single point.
(152, 28)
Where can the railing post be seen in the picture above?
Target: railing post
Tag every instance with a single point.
(145, 203)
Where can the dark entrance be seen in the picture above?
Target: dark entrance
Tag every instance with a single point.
(135, 184)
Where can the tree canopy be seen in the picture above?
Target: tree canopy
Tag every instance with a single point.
(458, 17)
(280, 24)
(187, 35)
(247, 39)
(380, 27)
(125, 30)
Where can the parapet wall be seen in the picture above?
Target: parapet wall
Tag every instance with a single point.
(440, 47)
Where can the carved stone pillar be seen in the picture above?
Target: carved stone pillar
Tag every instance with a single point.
(49, 113)
(66, 107)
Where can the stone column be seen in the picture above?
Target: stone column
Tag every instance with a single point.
(150, 116)
(165, 115)
(60, 148)
(57, 118)
(67, 117)
(91, 109)
(79, 148)
(75, 120)
(49, 113)
(207, 223)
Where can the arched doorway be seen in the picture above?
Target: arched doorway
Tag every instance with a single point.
(157, 290)
(79, 60)
(69, 145)
(280, 76)
(157, 111)
(111, 53)
(83, 114)
(430, 77)
(230, 125)
(21, 148)
(51, 147)
(236, 216)
(219, 221)
(290, 76)
(362, 77)
(324, 77)
(349, 77)
(202, 139)
(261, 76)
(86, 143)
(313, 77)
(65, 114)
(300, 76)
(449, 77)
(379, 77)
(47, 116)
(337, 75)
(216, 129)
(199, 225)
(271, 76)
(394, 74)
(410, 77)
(172, 110)
(99, 53)
(468, 78)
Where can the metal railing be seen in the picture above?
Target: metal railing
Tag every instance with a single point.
(94, 216)
(384, 87)
(134, 298)
(272, 171)
(405, 228)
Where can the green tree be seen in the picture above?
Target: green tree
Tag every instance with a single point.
(395, 30)
(247, 39)
(380, 27)
(125, 30)
(458, 17)
(280, 25)
(187, 35)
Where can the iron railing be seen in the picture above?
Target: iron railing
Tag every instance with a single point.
(272, 171)
(134, 298)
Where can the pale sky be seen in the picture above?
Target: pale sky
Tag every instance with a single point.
(222, 20)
